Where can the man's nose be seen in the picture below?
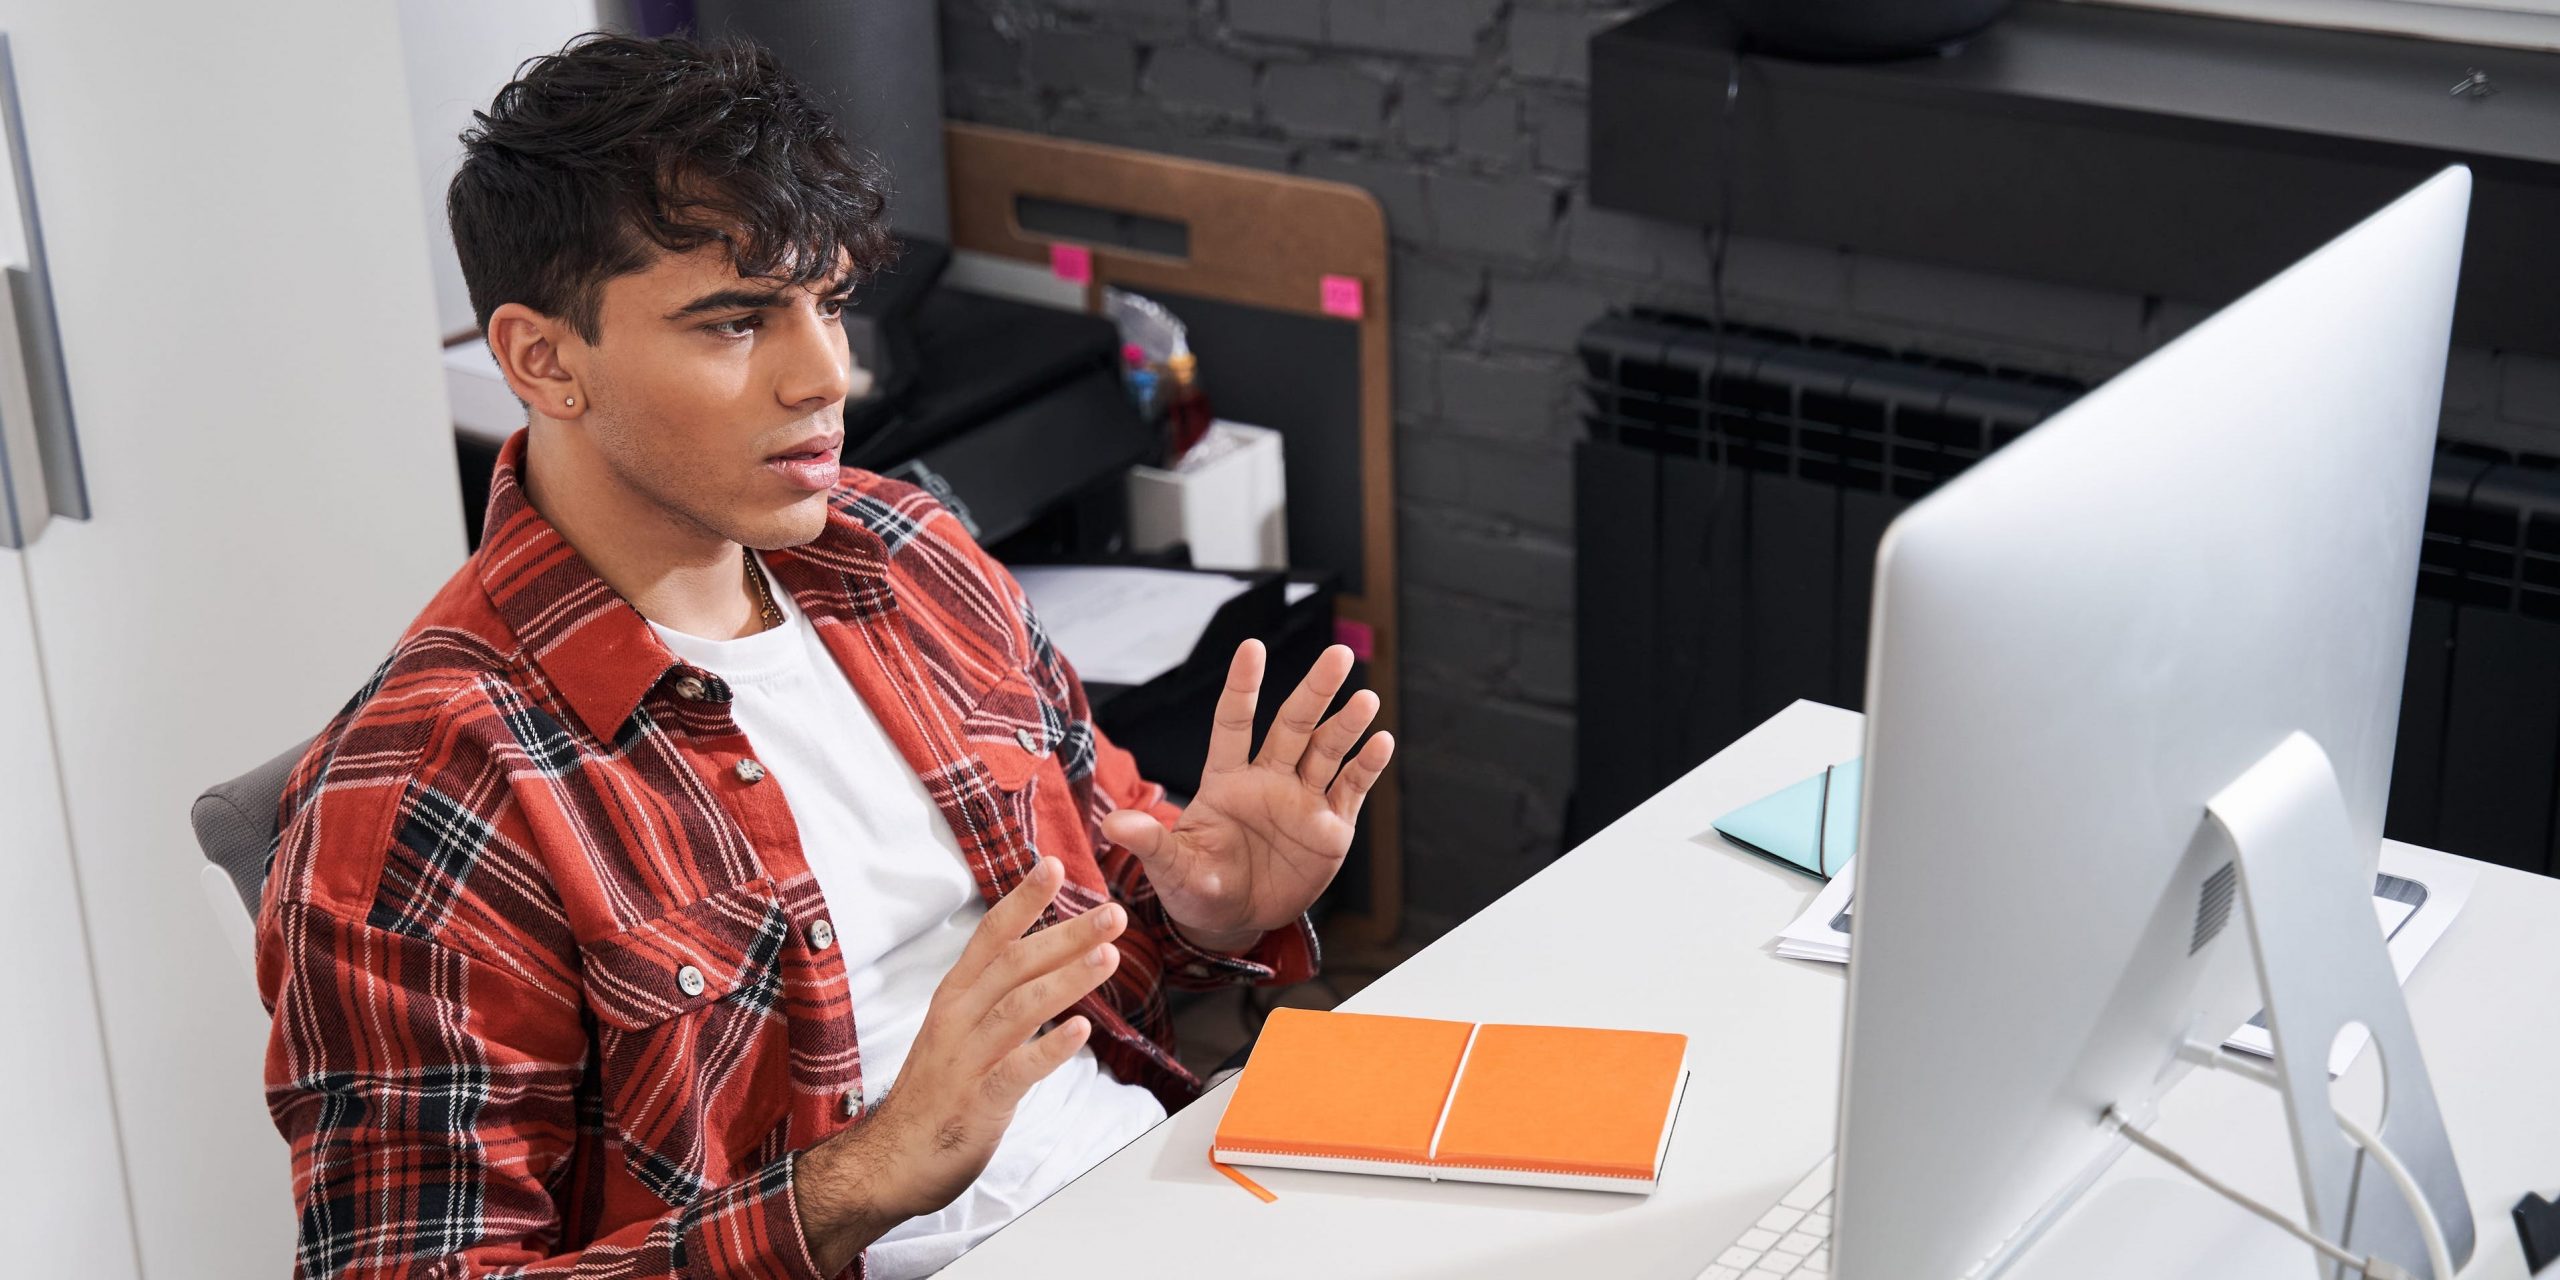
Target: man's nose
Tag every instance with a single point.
(818, 369)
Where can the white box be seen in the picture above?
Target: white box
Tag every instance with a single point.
(1227, 497)
(485, 408)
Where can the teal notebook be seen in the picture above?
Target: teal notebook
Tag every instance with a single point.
(1811, 826)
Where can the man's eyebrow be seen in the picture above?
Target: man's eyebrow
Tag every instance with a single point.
(729, 300)
(751, 299)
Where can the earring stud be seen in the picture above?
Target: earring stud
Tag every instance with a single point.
(573, 402)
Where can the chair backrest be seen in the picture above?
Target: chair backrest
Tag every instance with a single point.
(235, 822)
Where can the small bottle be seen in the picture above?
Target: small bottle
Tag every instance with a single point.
(1186, 416)
(1142, 391)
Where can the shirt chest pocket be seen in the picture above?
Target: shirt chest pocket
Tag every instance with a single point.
(690, 1037)
(1007, 733)
(1026, 795)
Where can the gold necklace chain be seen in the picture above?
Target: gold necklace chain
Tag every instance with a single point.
(771, 612)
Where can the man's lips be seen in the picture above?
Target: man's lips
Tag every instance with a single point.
(812, 465)
(813, 447)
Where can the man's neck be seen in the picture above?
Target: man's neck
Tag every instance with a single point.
(675, 573)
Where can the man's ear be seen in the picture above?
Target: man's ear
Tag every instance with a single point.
(540, 356)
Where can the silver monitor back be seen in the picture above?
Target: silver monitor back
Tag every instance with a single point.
(2078, 643)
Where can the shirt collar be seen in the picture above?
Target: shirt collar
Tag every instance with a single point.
(590, 642)
(595, 648)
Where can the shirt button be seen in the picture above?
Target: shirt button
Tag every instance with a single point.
(852, 1103)
(689, 688)
(821, 936)
(689, 980)
(750, 771)
(1029, 740)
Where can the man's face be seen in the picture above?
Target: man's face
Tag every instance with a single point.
(720, 399)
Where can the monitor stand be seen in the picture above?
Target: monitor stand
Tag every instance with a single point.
(2322, 965)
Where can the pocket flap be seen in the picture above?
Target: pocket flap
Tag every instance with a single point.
(1008, 765)
(687, 958)
(1008, 732)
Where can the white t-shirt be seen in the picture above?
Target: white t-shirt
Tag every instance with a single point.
(904, 904)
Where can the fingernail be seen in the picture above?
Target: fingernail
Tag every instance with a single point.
(1098, 957)
(1108, 918)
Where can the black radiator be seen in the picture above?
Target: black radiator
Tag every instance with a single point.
(1730, 493)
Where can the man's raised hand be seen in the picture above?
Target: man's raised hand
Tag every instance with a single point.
(974, 1058)
(1266, 831)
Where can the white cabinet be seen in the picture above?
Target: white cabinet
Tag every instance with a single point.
(233, 222)
(62, 1201)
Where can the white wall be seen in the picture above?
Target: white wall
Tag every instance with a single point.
(458, 53)
(230, 192)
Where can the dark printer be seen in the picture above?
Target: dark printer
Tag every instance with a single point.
(1014, 415)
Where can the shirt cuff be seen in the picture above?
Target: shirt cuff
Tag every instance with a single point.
(1282, 956)
(750, 1230)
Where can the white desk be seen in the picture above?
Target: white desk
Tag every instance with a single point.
(1657, 923)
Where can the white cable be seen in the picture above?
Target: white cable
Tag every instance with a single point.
(2233, 1194)
(2439, 1254)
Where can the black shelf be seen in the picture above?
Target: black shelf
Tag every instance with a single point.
(2159, 153)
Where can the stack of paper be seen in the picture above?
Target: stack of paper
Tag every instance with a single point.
(1125, 625)
(2416, 896)
(1822, 932)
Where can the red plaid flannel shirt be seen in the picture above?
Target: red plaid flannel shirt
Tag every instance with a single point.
(539, 954)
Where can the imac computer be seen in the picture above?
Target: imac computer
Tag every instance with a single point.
(2132, 697)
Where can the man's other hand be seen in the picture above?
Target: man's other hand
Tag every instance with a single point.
(973, 1060)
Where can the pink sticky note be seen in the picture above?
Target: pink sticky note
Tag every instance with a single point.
(1363, 641)
(1072, 263)
(1342, 297)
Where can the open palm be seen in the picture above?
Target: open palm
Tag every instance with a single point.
(1265, 833)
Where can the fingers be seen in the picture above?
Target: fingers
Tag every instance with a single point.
(1360, 774)
(1006, 921)
(1231, 726)
(1168, 865)
(1287, 741)
(1066, 949)
(1135, 830)
(1326, 749)
(1029, 1064)
(1020, 1011)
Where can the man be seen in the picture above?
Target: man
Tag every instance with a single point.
(659, 909)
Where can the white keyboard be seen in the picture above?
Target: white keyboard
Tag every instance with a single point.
(1791, 1241)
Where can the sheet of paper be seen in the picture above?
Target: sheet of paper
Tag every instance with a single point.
(1821, 931)
(1122, 625)
(1297, 591)
(2412, 933)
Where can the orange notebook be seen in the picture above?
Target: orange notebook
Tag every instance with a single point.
(1474, 1102)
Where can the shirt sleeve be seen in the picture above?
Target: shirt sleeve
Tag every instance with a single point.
(427, 1097)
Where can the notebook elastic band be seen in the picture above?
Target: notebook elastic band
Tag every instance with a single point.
(1452, 1099)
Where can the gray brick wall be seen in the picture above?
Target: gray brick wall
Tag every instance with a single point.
(1467, 120)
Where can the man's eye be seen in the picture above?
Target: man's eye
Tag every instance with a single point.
(734, 328)
(834, 308)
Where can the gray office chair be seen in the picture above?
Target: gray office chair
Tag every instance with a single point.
(235, 822)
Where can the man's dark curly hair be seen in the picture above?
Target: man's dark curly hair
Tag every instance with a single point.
(596, 157)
